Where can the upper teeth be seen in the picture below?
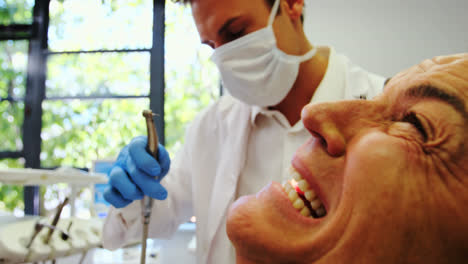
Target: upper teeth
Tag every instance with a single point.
(309, 194)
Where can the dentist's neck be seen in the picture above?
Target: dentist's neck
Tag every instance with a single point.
(310, 75)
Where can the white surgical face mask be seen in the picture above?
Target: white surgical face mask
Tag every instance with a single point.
(254, 70)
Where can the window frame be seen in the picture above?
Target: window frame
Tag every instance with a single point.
(38, 53)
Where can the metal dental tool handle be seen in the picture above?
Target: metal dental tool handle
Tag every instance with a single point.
(56, 219)
(37, 228)
(147, 202)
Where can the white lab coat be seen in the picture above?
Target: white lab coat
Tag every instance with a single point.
(203, 176)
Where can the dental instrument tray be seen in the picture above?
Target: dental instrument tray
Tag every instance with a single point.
(72, 236)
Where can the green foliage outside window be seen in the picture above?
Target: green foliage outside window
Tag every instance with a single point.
(16, 11)
(13, 58)
(76, 132)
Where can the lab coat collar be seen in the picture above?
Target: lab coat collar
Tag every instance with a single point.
(256, 110)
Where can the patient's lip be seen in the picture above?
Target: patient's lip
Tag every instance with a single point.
(308, 176)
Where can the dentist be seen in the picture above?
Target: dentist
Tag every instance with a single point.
(245, 139)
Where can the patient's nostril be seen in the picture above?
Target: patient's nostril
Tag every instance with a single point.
(320, 139)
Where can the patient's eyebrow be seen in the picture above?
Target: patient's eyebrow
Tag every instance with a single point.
(430, 91)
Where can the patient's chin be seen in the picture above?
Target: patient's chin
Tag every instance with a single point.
(247, 228)
(238, 219)
(252, 234)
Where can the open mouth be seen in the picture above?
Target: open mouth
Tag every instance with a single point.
(303, 198)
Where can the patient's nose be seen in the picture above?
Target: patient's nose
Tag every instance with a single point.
(335, 123)
(319, 120)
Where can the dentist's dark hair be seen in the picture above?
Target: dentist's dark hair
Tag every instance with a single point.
(269, 2)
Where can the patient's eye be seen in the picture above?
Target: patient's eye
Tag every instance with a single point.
(413, 119)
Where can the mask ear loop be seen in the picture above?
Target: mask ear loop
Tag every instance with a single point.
(274, 11)
(308, 55)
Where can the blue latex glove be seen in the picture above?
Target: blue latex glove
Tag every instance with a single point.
(136, 173)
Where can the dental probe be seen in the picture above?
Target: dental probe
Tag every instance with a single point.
(56, 219)
(37, 228)
(147, 202)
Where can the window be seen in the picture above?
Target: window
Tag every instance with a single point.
(15, 30)
(103, 63)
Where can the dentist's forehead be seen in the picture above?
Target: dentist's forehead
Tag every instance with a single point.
(225, 9)
(210, 14)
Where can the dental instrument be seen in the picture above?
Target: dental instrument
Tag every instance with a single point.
(17, 244)
(147, 202)
(37, 228)
(55, 220)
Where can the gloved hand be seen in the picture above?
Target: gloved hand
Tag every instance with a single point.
(136, 173)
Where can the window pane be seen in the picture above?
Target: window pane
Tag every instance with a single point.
(98, 74)
(16, 12)
(94, 25)
(11, 120)
(11, 199)
(13, 64)
(74, 133)
(53, 195)
(11, 196)
(192, 80)
(13, 61)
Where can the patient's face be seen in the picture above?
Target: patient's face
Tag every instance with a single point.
(391, 174)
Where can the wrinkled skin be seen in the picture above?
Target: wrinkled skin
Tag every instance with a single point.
(395, 189)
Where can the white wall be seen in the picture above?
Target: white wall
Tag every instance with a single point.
(386, 36)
